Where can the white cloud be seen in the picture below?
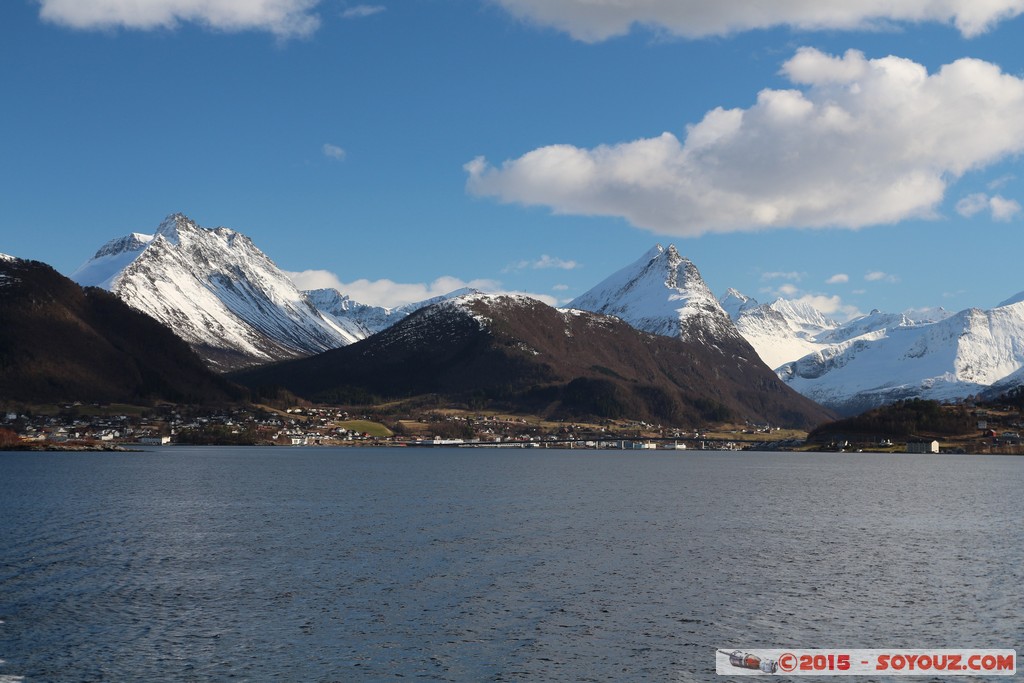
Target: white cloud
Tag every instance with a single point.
(545, 262)
(1001, 182)
(594, 20)
(861, 142)
(838, 279)
(788, 290)
(560, 288)
(389, 293)
(1001, 208)
(792, 275)
(360, 11)
(972, 204)
(879, 276)
(333, 151)
(284, 18)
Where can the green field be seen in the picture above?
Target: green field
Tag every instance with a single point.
(371, 428)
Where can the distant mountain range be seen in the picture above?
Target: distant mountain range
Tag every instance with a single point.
(229, 301)
(59, 342)
(881, 357)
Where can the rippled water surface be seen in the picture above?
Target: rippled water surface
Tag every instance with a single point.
(199, 564)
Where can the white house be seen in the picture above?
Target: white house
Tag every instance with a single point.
(922, 446)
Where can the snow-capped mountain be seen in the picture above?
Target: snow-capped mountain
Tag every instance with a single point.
(227, 299)
(959, 356)
(883, 357)
(662, 293)
(217, 291)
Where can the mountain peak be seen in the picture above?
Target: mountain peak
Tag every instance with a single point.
(217, 291)
(134, 242)
(735, 303)
(172, 227)
(110, 260)
(662, 293)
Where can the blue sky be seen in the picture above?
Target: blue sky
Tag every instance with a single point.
(817, 150)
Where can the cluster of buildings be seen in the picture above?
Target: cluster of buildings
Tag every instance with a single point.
(68, 427)
(99, 424)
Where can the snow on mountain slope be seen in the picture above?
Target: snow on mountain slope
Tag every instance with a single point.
(112, 258)
(216, 290)
(5, 278)
(662, 293)
(780, 331)
(956, 357)
(1015, 299)
(872, 325)
(919, 316)
(363, 320)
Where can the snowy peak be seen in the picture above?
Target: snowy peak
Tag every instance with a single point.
(802, 315)
(734, 303)
(112, 258)
(174, 225)
(332, 301)
(216, 290)
(132, 243)
(661, 293)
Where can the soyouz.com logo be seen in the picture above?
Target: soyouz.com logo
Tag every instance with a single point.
(941, 662)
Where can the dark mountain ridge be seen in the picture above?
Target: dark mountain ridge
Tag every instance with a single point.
(517, 353)
(60, 342)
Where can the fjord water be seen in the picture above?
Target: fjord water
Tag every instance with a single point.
(200, 564)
